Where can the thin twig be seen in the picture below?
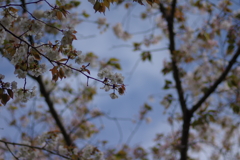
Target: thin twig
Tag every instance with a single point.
(34, 147)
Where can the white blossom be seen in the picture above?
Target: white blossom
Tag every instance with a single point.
(80, 58)
(99, 156)
(62, 150)
(39, 71)
(31, 59)
(106, 87)
(24, 96)
(52, 54)
(113, 96)
(68, 37)
(20, 73)
(101, 22)
(36, 27)
(87, 151)
(6, 85)
(2, 76)
(38, 13)
(39, 35)
(120, 33)
(105, 73)
(226, 24)
(117, 78)
(14, 85)
(2, 35)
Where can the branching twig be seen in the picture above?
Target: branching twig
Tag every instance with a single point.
(54, 113)
(6, 144)
(33, 147)
(217, 82)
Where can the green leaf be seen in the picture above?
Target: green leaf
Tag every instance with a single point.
(146, 106)
(146, 56)
(230, 48)
(5, 98)
(235, 108)
(167, 84)
(10, 93)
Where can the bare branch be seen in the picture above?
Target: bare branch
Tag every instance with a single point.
(33, 147)
(52, 110)
(217, 82)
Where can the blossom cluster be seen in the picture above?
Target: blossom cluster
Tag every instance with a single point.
(24, 95)
(112, 81)
(26, 53)
(51, 141)
(120, 33)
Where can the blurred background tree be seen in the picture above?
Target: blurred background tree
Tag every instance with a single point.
(49, 111)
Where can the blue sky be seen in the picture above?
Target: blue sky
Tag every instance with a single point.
(146, 79)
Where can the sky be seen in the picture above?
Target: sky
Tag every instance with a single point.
(146, 80)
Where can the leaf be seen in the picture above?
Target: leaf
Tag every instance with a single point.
(55, 78)
(235, 108)
(59, 15)
(114, 59)
(54, 70)
(75, 3)
(13, 122)
(35, 54)
(99, 7)
(61, 73)
(114, 62)
(106, 3)
(86, 70)
(4, 99)
(63, 59)
(1, 92)
(64, 12)
(74, 37)
(167, 84)
(150, 2)
(230, 48)
(85, 15)
(138, 1)
(10, 93)
(147, 107)
(54, 73)
(14, 10)
(136, 46)
(146, 55)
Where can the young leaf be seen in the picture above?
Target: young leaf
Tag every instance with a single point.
(99, 7)
(59, 15)
(146, 55)
(4, 99)
(10, 93)
(138, 1)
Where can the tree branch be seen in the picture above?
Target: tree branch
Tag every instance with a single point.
(52, 110)
(217, 82)
(169, 17)
(46, 94)
(170, 23)
(33, 147)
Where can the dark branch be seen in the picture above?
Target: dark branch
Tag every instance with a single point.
(52, 110)
(46, 94)
(217, 82)
(29, 146)
(170, 23)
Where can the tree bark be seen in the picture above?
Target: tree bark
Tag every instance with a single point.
(185, 135)
(52, 110)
